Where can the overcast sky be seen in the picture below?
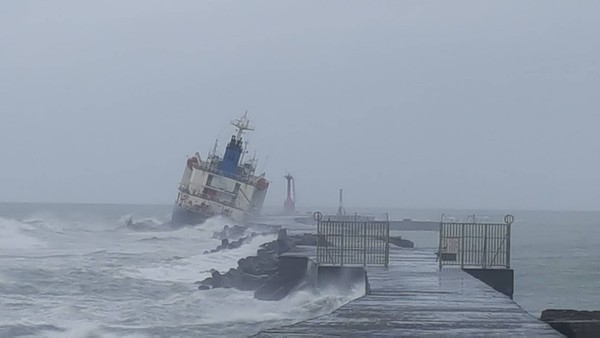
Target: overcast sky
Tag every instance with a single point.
(445, 104)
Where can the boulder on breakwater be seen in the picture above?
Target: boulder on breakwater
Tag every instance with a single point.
(573, 323)
(264, 273)
(225, 244)
(293, 273)
(403, 243)
(309, 239)
(252, 271)
(234, 232)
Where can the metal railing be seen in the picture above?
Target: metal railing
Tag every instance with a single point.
(342, 243)
(212, 167)
(475, 244)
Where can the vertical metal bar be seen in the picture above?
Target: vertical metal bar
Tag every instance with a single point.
(387, 243)
(480, 246)
(471, 241)
(485, 239)
(318, 241)
(492, 244)
(440, 236)
(382, 255)
(496, 244)
(342, 247)
(364, 230)
(462, 246)
(369, 245)
(508, 226)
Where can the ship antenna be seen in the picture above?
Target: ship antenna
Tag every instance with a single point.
(244, 152)
(242, 124)
(214, 152)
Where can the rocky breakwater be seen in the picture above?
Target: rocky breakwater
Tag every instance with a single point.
(226, 244)
(401, 242)
(269, 274)
(253, 271)
(573, 323)
(231, 233)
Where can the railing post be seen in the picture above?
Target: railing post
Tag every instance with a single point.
(317, 216)
(508, 245)
(485, 233)
(462, 246)
(508, 219)
(319, 243)
(440, 242)
(387, 242)
(342, 246)
(365, 246)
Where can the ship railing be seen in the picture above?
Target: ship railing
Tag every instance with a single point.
(474, 242)
(207, 197)
(210, 168)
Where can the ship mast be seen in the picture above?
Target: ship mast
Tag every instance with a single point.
(242, 124)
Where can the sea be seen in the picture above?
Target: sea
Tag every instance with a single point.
(77, 270)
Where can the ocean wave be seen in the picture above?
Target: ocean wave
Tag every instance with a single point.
(156, 230)
(198, 266)
(234, 311)
(16, 235)
(28, 330)
(50, 222)
(154, 224)
(155, 239)
(144, 224)
(83, 329)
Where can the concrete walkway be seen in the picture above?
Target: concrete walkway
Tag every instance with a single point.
(413, 298)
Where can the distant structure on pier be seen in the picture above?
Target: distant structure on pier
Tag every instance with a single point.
(341, 211)
(289, 205)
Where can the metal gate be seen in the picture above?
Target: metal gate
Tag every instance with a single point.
(342, 243)
(475, 245)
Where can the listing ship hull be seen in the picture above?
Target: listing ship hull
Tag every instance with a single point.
(221, 186)
(183, 216)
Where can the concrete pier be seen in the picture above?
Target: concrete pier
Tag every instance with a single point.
(412, 298)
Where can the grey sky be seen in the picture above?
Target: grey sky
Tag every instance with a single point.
(452, 104)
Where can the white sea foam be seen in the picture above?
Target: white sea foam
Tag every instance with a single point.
(85, 329)
(52, 225)
(197, 266)
(158, 297)
(241, 307)
(15, 235)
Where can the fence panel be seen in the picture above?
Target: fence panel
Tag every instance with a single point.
(342, 243)
(474, 244)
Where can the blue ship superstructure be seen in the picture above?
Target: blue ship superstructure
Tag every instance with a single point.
(231, 159)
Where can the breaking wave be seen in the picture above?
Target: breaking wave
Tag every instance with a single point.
(18, 235)
(198, 266)
(114, 281)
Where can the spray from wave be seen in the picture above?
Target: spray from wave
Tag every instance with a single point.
(99, 278)
(18, 235)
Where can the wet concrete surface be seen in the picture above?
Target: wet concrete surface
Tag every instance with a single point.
(412, 298)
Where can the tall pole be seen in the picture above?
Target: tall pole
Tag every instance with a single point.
(341, 210)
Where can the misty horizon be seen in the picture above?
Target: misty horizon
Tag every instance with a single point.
(425, 105)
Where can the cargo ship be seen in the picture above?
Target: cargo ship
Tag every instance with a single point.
(221, 186)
